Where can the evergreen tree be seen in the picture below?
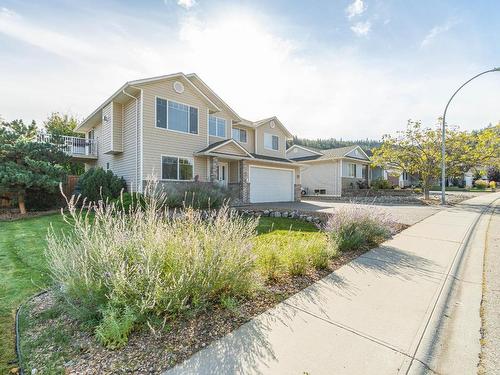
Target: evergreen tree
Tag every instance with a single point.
(27, 164)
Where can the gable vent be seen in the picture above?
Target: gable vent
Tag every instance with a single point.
(178, 87)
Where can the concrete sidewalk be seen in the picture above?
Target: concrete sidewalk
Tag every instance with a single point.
(386, 312)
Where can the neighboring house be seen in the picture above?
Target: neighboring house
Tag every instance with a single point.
(177, 128)
(401, 179)
(333, 171)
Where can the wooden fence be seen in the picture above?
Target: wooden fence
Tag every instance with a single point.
(7, 199)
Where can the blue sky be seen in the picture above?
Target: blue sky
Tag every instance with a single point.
(345, 69)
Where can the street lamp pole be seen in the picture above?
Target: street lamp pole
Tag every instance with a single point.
(443, 135)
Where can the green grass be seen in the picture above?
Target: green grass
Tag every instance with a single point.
(23, 270)
(22, 273)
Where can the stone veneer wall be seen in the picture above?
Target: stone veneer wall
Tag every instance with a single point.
(244, 184)
(297, 194)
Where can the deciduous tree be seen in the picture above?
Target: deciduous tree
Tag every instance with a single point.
(417, 150)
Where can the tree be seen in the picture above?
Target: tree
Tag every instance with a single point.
(327, 143)
(26, 164)
(417, 150)
(60, 125)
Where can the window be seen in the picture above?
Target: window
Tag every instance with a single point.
(176, 116)
(240, 135)
(351, 170)
(175, 168)
(271, 142)
(217, 126)
(364, 171)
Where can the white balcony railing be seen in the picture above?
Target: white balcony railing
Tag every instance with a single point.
(74, 146)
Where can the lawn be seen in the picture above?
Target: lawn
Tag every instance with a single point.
(23, 270)
(22, 273)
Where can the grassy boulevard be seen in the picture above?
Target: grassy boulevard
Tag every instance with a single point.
(23, 270)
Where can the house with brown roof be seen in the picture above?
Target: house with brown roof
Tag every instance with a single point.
(175, 127)
(332, 171)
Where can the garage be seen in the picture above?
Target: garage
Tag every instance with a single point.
(271, 184)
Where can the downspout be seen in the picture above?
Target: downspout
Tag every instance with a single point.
(136, 139)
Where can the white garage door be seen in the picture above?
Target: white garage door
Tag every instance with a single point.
(271, 185)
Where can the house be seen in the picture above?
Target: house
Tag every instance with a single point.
(333, 171)
(175, 127)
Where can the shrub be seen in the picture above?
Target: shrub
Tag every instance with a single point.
(115, 327)
(196, 195)
(39, 200)
(96, 184)
(149, 260)
(481, 184)
(493, 184)
(380, 184)
(353, 228)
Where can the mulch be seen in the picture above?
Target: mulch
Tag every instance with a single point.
(152, 351)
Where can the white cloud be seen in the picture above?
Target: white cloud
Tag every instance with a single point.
(436, 31)
(260, 72)
(361, 28)
(186, 4)
(356, 8)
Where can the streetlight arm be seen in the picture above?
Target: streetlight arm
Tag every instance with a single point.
(465, 83)
(443, 148)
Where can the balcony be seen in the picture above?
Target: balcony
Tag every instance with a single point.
(79, 148)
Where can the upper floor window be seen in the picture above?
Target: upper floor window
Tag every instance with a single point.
(240, 135)
(216, 126)
(351, 170)
(176, 168)
(176, 116)
(271, 142)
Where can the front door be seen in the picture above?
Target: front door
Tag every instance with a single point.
(222, 174)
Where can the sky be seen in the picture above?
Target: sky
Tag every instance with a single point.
(350, 69)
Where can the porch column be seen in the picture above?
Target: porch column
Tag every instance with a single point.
(214, 163)
(244, 183)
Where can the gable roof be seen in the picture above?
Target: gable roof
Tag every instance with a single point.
(311, 150)
(214, 146)
(96, 114)
(332, 153)
(193, 77)
(214, 102)
(256, 124)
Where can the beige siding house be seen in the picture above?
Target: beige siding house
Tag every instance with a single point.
(331, 172)
(175, 128)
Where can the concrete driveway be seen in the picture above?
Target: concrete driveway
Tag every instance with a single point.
(405, 214)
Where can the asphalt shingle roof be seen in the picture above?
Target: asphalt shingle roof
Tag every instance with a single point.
(332, 153)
